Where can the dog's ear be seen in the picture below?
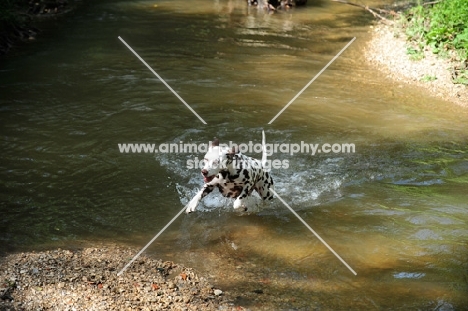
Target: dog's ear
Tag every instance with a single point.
(234, 150)
(215, 142)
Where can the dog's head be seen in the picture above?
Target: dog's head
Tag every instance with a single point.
(216, 159)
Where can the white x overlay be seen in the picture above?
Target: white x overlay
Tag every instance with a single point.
(152, 240)
(274, 192)
(313, 231)
(311, 81)
(162, 80)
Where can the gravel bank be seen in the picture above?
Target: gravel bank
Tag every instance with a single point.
(387, 52)
(87, 280)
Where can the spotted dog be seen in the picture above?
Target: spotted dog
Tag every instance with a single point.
(234, 174)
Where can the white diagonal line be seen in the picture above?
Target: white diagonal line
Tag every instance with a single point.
(152, 240)
(313, 79)
(315, 233)
(161, 79)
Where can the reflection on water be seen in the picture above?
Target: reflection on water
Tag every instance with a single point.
(396, 210)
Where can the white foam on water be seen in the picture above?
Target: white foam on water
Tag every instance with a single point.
(307, 186)
(409, 275)
(303, 183)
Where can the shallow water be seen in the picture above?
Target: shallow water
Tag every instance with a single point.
(395, 210)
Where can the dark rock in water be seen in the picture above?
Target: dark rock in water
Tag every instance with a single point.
(275, 4)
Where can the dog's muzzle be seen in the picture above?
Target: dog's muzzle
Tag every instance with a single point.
(205, 177)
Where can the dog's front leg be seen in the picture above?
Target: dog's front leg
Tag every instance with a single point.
(238, 203)
(192, 205)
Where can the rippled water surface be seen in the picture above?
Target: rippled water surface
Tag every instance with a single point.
(395, 210)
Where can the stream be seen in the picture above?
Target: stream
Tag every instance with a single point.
(395, 209)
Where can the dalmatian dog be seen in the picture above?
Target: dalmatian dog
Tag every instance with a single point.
(234, 174)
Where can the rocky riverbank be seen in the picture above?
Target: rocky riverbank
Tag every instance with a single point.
(387, 52)
(86, 279)
(18, 19)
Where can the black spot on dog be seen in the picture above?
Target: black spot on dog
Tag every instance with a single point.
(237, 189)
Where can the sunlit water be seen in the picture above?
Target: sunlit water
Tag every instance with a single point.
(395, 210)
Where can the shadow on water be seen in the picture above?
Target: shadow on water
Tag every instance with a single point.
(395, 210)
(248, 256)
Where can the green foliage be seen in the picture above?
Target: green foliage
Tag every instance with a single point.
(449, 25)
(461, 40)
(442, 27)
(428, 78)
(461, 77)
(415, 26)
(415, 53)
